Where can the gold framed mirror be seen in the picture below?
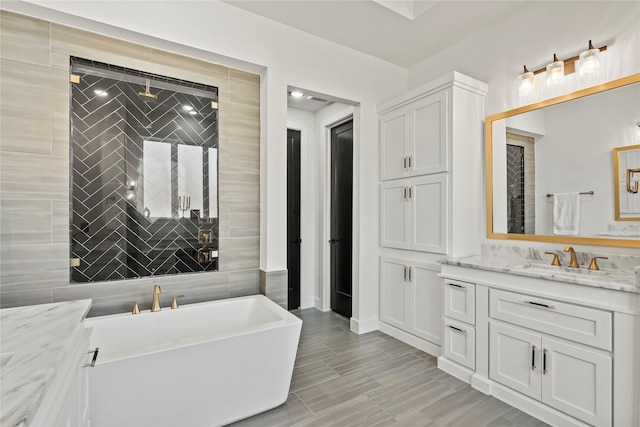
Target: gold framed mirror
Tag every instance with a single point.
(626, 175)
(539, 154)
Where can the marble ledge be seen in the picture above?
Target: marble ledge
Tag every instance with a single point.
(33, 341)
(618, 280)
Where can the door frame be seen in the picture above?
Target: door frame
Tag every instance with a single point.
(329, 122)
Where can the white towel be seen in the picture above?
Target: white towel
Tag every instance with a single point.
(566, 214)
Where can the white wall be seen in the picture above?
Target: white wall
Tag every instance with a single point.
(530, 36)
(223, 33)
(304, 121)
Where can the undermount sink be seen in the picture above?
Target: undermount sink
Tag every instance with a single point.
(561, 270)
(5, 358)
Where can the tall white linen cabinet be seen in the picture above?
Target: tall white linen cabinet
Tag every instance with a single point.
(431, 200)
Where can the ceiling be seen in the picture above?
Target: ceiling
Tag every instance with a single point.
(402, 32)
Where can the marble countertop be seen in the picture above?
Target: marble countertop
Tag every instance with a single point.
(33, 341)
(615, 279)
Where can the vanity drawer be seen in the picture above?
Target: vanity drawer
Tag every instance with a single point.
(581, 324)
(460, 343)
(459, 301)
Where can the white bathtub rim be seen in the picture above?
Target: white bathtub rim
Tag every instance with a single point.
(287, 320)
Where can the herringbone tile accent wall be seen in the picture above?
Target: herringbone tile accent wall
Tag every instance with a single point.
(117, 232)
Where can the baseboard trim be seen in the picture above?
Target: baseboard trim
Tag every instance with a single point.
(480, 383)
(412, 340)
(533, 407)
(452, 368)
(363, 326)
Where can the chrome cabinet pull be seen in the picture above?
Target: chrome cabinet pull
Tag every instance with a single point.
(410, 193)
(405, 164)
(410, 162)
(455, 285)
(409, 268)
(457, 329)
(404, 267)
(539, 304)
(533, 357)
(544, 361)
(93, 361)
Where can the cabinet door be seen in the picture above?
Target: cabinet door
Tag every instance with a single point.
(428, 136)
(459, 343)
(393, 136)
(394, 215)
(577, 381)
(393, 292)
(515, 359)
(429, 222)
(425, 308)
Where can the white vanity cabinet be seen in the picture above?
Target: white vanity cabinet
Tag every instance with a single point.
(564, 352)
(413, 138)
(413, 214)
(564, 375)
(411, 300)
(459, 323)
(66, 403)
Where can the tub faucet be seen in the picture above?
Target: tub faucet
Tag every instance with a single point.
(574, 259)
(155, 305)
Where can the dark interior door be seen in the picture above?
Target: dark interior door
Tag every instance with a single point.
(293, 218)
(341, 217)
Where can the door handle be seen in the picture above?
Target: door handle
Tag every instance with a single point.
(533, 357)
(544, 361)
(296, 240)
(332, 241)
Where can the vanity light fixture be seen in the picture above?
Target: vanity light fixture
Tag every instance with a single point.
(526, 80)
(589, 61)
(555, 72)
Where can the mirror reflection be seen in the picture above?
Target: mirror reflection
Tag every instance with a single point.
(551, 169)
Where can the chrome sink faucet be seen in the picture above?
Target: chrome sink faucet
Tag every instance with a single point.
(574, 259)
(155, 305)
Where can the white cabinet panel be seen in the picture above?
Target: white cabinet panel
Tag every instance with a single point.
(413, 138)
(393, 136)
(459, 343)
(429, 133)
(577, 381)
(393, 292)
(581, 324)
(460, 301)
(429, 214)
(413, 214)
(411, 297)
(394, 215)
(426, 304)
(515, 359)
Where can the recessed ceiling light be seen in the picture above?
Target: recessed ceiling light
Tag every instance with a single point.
(187, 108)
(100, 92)
(297, 94)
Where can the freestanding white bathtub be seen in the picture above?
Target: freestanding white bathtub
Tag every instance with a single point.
(204, 364)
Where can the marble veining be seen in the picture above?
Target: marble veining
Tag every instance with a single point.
(615, 279)
(36, 338)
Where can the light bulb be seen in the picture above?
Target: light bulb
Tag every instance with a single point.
(589, 61)
(526, 80)
(555, 72)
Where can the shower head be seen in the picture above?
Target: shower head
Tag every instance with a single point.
(146, 95)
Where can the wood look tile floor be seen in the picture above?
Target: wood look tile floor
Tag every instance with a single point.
(344, 379)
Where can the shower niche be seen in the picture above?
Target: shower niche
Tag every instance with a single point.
(144, 181)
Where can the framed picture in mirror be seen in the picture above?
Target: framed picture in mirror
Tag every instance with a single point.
(626, 178)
